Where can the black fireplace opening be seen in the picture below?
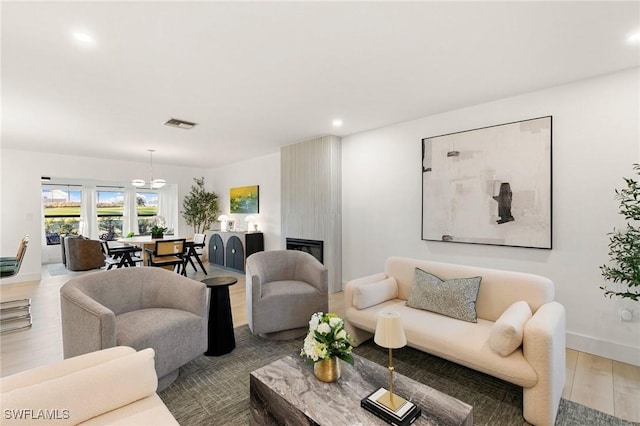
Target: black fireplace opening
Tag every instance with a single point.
(314, 247)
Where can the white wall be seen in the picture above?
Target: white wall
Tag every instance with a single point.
(20, 200)
(263, 171)
(596, 131)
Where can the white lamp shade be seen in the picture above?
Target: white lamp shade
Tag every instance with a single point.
(138, 183)
(223, 217)
(250, 218)
(389, 330)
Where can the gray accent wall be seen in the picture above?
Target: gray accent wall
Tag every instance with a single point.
(312, 198)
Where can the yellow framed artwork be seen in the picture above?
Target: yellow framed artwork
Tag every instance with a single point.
(245, 199)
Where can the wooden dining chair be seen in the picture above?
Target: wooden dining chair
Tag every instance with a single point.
(120, 256)
(10, 265)
(16, 312)
(194, 250)
(169, 254)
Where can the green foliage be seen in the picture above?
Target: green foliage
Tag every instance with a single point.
(157, 229)
(200, 207)
(624, 245)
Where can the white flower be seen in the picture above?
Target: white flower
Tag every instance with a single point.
(323, 328)
(330, 344)
(335, 322)
(314, 321)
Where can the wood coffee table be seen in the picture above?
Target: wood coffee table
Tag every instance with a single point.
(287, 392)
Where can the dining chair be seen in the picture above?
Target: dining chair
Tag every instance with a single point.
(194, 251)
(10, 265)
(168, 254)
(120, 256)
(18, 310)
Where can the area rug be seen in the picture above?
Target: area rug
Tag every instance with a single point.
(57, 269)
(215, 390)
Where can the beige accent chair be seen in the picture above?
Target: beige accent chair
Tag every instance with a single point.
(284, 288)
(112, 386)
(139, 307)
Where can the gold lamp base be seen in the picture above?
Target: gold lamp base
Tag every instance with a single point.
(392, 401)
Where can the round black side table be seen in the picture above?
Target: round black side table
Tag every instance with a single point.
(221, 338)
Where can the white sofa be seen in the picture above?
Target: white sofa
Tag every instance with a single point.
(537, 364)
(115, 386)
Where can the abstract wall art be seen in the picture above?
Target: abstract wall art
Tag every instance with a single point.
(489, 186)
(244, 199)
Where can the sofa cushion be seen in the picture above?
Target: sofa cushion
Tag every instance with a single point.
(508, 330)
(454, 298)
(366, 295)
(461, 342)
(168, 331)
(83, 394)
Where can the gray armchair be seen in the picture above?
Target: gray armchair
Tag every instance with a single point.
(284, 288)
(139, 307)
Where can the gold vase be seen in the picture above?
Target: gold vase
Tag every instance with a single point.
(328, 370)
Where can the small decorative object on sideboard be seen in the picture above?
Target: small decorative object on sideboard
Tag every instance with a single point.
(325, 345)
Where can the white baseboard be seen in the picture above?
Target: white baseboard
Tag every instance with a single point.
(603, 348)
(21, 278)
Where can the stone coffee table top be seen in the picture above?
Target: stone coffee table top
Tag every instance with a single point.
(287, 390)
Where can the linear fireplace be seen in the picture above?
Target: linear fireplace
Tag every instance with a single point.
(313, 247)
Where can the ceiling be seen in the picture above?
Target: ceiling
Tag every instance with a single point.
(258, 76)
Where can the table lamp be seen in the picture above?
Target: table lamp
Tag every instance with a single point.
(224, 219)
(390, 334)
(252, 226)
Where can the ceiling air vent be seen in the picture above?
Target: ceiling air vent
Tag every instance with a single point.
(181, 124)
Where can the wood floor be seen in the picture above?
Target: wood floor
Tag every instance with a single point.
(600, 383)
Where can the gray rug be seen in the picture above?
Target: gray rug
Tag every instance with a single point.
(56, 269)
(215, 390)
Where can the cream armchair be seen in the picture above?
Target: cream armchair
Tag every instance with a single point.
(284, 288)
(139, 307)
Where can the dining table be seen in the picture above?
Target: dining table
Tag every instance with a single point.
(146, 242)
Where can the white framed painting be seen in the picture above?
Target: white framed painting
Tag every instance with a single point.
(489, 186)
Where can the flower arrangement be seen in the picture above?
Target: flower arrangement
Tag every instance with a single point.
(158, 226)
(326, 339)
(155, 229)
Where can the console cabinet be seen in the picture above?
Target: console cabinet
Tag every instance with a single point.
(231, 249)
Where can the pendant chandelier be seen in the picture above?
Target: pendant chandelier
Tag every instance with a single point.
(153, 183)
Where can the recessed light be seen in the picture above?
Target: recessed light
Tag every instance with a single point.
(634, 38)
(337, 122)
(83, 37)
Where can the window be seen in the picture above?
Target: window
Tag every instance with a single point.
(61, 207)
(110, 207)
(147, 209)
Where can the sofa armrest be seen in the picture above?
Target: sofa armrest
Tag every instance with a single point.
(350, 286)
(85, 393)
(62, 368)
(544, 348)
(87, 325)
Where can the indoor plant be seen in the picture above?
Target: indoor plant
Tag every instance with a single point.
(624, 245)
(327, 341)
(200, 207)
(158, 228)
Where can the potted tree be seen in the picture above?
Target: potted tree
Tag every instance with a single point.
(200, 207)
(624, 245)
